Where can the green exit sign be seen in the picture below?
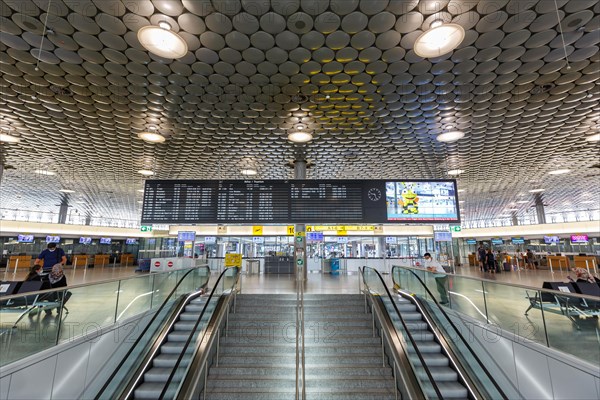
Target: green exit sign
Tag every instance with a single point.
(146, 228)
(455, 228)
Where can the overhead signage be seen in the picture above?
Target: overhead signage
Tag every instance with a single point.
(551, 239)
(300, 201)
(497, 241)
(146, 228)
(517, 240)
(290, 229)
(362, 228)
(131, 241)
(314, 236)
(25, 238)
(471, 241)
(52, 239)
(85, 240)
(257, 230)
(258, 239)
(580, 239)
(210, 239)
(342, 240)
(442, 236)
(105, 240)
(186, 236)
(391, 240)
(456, 228)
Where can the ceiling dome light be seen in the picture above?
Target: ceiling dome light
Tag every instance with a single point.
(248, 171)
(66, 190)
(9, 138)
(151, 137)
(162, 41)
(559, 172)
(452, 136)
(455, 172)
(146, 172)
(536, 190)
(593, 138)
(440, 39)
(300, 137)
(43, 172)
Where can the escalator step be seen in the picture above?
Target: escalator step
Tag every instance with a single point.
(449, 390)
(436, 360)
(168, 361)
(150, 391)
(427, 347)
(422, 336)
(440, 374)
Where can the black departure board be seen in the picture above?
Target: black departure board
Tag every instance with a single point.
(288, 201)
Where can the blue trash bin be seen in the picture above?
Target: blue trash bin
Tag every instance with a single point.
(335, 266)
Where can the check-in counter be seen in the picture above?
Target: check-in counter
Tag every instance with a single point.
(80, 260)
(473, 260)
(100, 260)
(586, 262)
(127, 259)
(19, 262)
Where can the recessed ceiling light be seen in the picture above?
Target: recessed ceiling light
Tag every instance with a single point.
(588, 201)
(300, 137)
(145, 172)
(440, 39)
(559, 171)
(248, 171)
(523, 201)
(461, 201)
(9, 138)
(593, 138)
(151, 137)
(66, 190)
(460, 190)
(452, 136)
(141, 190)
(162, 41)
(140, 202)
(455, 172)
(44, 172)
(536, 190)
(80, 202)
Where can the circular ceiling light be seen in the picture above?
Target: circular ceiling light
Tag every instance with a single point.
(151, 137)
(9, 138)
(146, 172)
(43, 172)
(66, 190)
(300, 137)
(162, 41)
(536, 190)
(141, 190)
(593, 138)
(248, 171)
(440, 39)
(455, 171)
(452, 136)
(559, 172)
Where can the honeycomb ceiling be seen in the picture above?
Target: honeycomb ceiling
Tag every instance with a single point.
(79, 93)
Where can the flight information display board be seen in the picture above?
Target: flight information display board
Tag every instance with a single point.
(299, 201)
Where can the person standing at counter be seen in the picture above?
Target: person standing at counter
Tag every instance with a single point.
(51, 256)
(441, 279)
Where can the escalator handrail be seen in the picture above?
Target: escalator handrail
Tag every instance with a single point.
(141, 335)
(462, 338)
(189, 340)
(408, 334)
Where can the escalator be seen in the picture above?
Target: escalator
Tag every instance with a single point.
(441, 359)
(159, 361)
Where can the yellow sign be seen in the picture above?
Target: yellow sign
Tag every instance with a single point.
(221, 229)
(233, 260)
(290, 229)
(321, 228)
(257, 230)
(300, 233)
(309, 228)
(342, 233)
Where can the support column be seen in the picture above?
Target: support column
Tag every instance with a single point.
(300, 229)
(88, 219)
(62, 211)
(515, 220)
(539, 208)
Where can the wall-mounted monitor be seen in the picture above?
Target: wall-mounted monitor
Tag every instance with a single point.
(580, 239)
(131, 241)
(314, 236)
(391, 239)
(85, 240)
(25, 238)
(442, 236)
(551, 239)
(52, 239)
(342, 239)
(471, 241)
(105, 240)
(421, 201)
(497, 241)
(210, 239)
(186, 236)
(517, 240)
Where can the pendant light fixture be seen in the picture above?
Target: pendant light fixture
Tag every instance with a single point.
(439, 39)
(162, 41)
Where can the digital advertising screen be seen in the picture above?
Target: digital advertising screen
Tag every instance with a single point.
(442, 236)
(25, 238)
(517, 240)
(186, 236)
(131, 241)
(52, 239)
(551, 239)
(105, 240)
(497, 241)
(421, 201)
(471, 241)
(85, 240)
(314, 236)
(579, 239)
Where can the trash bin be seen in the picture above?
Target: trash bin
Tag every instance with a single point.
(335, 266)
(253, 266)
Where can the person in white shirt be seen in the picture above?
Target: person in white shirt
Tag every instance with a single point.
(441, 279)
